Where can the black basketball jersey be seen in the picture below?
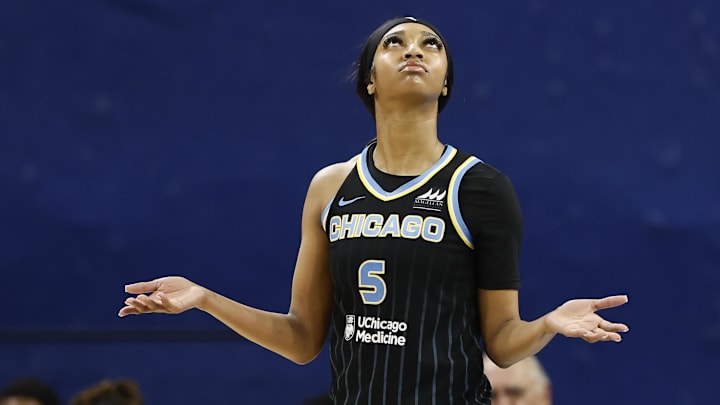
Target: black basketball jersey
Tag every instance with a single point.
(405, 327)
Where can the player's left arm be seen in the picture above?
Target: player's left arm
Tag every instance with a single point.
(497, 220)
(509, 339)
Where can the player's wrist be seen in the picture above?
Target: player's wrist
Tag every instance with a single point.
(205, 299)
(547, 325)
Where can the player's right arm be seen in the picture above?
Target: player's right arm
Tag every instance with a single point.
(299, 334)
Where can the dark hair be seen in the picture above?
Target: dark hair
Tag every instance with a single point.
(107, 392)
(31, 387)
(364, 63)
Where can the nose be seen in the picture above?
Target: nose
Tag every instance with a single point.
(413, 51)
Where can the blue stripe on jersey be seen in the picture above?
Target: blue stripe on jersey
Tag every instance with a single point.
(462, 348)
(402, 355)
(454, 205)
(434, 346)
(450, 343)
(374, 188)
(420, 344)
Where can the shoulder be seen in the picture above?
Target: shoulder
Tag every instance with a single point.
(484, 184)
(334, 175)
(327, 181)
(472, 166)
(483, 176)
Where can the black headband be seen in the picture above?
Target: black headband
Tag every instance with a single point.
(365, 63)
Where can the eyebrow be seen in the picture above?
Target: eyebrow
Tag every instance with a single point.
(424, 33)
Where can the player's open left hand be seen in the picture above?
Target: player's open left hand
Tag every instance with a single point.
(577, 318)
(170, 295)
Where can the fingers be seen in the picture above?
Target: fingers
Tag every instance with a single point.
(613, 327)
(610, 302)
(600, 335)
(127, 310)
(142, 287)
(140, 305)
(604, 332)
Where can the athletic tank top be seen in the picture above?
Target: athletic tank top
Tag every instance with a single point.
(405, 326)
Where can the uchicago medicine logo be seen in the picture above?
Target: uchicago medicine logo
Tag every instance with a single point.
(373, 329)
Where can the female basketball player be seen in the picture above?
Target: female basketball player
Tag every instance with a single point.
(409, 253)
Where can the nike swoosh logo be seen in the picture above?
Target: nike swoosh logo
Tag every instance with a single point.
(343, 202)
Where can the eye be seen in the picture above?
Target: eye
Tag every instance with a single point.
(392, 40)
(434, 42)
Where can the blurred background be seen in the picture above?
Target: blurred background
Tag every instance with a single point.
(141, 138)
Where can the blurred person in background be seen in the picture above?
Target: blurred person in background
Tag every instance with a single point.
(523, 383)
(109, 392)
(29, 391)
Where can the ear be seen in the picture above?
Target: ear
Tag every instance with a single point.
(444, 91)
(371, 85)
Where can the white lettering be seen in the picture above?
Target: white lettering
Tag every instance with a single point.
(372, 329)
(431, 229)
(380, 337)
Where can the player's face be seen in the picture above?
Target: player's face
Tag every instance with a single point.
(410, 61)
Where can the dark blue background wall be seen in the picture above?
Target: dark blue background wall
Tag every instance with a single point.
(141, 138)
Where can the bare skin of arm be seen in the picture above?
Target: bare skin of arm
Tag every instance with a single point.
(509, 339)
(298, 335)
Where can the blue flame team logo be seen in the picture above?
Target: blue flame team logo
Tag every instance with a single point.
(349, 327)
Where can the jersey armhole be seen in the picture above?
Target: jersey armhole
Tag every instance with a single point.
(454, 203)
(323, 217)
(326, 211)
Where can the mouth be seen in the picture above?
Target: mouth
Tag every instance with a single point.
(413, 67)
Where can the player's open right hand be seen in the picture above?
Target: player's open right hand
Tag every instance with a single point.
(170, 295)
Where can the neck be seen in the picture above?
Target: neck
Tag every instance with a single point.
(407, 141)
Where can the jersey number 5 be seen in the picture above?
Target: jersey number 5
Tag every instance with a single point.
(371, 284)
